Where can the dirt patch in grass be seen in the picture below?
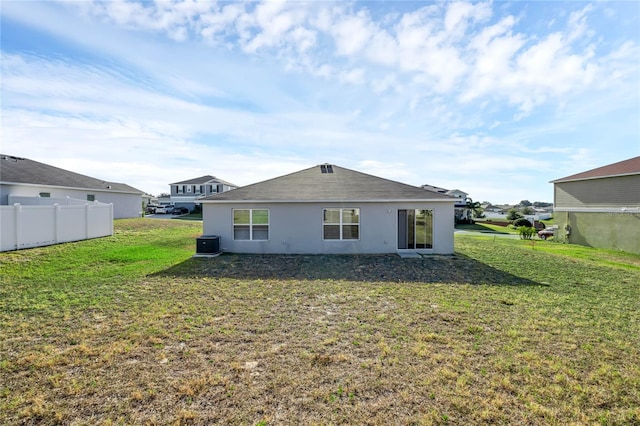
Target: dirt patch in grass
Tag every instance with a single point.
(368, 268)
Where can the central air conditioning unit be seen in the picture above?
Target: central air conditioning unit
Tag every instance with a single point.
(208, 245)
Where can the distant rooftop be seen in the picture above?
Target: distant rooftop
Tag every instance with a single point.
(622, 168)
(202, 180)
(23, 170)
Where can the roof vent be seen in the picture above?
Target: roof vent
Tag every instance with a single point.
(326, 168)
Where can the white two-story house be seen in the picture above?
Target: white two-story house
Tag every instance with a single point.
(187, 193)
(462, 212)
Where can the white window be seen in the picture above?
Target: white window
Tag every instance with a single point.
(341, 224)
(178, 189)
(251, 224)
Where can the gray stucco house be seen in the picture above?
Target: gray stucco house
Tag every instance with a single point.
(330, 209)
(22, 177)
(600, 207)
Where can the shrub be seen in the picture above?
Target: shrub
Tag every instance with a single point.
(522, 222)
(513, 214)
(526, 232)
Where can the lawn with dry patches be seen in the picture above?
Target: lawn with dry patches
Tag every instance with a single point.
(137, 332)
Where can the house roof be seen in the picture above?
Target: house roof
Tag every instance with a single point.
(26, 171)
(621, 168)
(443, 190)
(202, 180)
(328, 183)
(434, 188)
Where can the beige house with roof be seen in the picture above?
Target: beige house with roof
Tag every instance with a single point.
(600, 207)
(330, 209)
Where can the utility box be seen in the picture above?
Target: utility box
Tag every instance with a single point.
(208, 244)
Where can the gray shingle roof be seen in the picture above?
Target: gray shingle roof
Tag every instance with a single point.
(342, 185)
(22, 170)
(202, 180)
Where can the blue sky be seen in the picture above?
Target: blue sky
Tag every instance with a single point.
(493, 98)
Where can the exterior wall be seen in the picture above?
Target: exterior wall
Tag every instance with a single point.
(124, 205)
(622, 191)
(297, 227)
(616, 231)
(603, 213)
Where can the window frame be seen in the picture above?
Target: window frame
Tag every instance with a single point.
(251, 225)
(91, 197)
(341, 223)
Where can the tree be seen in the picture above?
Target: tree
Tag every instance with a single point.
(513, 214)
(475, 208)
(528, 210)
(525, 203)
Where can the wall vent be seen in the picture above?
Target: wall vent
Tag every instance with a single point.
(326, 168)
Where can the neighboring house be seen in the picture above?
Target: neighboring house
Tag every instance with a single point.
(27, 178)
(490, 208)
(187, 193)
(330, 209)
(600, 207)
(461, 212)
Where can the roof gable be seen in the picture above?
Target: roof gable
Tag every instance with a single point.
(22, 170)
(202, 180)
(328, 183)
(621, 168)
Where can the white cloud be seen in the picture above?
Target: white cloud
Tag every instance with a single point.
(268, 88)
(352, 32)
(354, 76)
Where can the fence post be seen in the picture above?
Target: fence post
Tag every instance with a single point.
(18, 214)
(86, 221)
(56, 222)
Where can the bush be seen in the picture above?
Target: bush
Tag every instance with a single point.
(522, 222)
(526, 232)
(513, 214)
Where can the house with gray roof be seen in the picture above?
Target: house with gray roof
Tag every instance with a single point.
(600, 207)
(187, 193)
(22, 177)
(462, 212)
(330, 209)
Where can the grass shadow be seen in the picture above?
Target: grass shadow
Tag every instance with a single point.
(476, 227)
(455, 269)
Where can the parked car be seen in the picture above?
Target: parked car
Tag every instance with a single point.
(163, 209)
(151, 209)
(180, 210)
(543, 234)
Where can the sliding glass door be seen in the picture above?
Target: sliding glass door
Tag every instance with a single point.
(415, 229)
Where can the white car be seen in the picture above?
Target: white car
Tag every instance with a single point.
(164, 209)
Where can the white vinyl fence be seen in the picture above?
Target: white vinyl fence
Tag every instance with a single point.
(41, 225)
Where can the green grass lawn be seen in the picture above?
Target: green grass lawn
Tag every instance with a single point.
(130, 330)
